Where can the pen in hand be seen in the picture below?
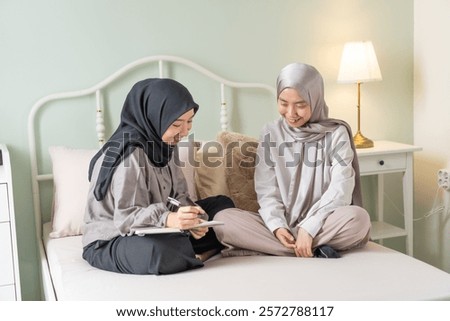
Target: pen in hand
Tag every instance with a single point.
(175, 206)
(176, 203)
(184, 219)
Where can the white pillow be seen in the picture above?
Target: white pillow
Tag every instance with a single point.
(71, 186)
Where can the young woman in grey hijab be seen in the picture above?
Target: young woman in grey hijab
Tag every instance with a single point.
(306, 180)
(132, 177)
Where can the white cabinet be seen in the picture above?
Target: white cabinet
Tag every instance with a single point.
(384, 158)
(9, 265)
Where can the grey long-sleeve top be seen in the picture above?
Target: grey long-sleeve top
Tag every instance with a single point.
(137, 197)
(300, 184)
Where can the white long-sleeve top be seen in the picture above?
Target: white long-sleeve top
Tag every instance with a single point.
(300, 184)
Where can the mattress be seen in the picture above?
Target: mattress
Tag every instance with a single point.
(371, 273)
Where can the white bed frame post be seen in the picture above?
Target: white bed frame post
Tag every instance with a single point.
(99, 119)
(223, 109)
(160, 66)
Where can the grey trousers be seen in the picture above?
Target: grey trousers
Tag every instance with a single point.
(244, 233)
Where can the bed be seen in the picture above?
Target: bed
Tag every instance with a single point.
(59, 183)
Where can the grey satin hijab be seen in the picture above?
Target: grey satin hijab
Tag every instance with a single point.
(309, 84)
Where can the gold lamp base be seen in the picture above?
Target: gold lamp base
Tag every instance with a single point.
(361, 141)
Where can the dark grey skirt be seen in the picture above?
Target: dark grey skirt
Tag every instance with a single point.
(156, 253)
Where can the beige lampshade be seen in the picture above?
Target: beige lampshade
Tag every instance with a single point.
(359, 63)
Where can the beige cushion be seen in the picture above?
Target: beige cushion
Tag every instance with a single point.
(185, 151)
(71, 186)
(210, 171)
(240, 156)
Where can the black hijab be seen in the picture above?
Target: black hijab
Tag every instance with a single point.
(151, 106)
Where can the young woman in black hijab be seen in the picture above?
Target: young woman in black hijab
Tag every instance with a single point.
(131, 179)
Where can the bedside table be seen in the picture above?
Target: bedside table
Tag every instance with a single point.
(9, 263)
(384, 158)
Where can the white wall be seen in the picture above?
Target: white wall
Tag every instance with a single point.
(431, 127)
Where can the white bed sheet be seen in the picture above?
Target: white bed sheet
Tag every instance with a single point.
(372, 273)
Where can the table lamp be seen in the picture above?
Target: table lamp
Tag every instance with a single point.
(359, 64)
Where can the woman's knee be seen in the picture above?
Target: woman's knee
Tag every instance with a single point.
(215, 204)
(231, 216)
(224, 200)
(361, 216)
(224, 217)
(232, 222)
(360, 221)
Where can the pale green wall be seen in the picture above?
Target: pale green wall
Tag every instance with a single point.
(49, 45)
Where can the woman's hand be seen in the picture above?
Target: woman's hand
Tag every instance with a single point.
(199, 232)
(303, 245)
(185, 218)
(285, 237)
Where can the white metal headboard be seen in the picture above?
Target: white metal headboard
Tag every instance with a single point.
(37, 177)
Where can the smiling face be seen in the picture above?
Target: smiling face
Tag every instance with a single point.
(293, 108)
(179, 128)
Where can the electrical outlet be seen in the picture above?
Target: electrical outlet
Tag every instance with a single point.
(444, 179)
